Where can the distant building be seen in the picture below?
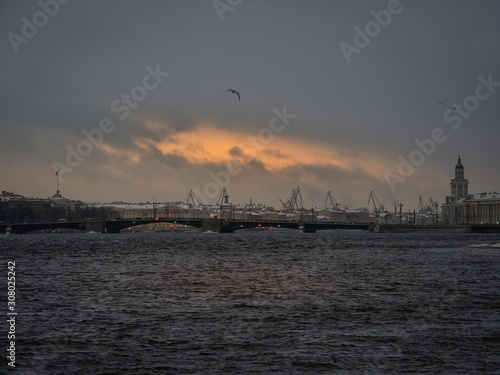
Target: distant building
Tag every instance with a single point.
(58, 200)
(459, 185)
(483, 208)
(357, 216)
(153, 210)
(453, 210)
(15, 208)
(464, 208)
(333, 215)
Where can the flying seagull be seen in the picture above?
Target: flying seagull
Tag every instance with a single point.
(437, 101)
(234, 92)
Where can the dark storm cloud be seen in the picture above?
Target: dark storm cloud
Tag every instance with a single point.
(64, 79)
(236, 151)
(168, 160)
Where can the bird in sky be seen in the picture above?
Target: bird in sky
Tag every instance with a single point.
(234, 92)
(437, 101)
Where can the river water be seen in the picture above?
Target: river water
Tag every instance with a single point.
(254, 302)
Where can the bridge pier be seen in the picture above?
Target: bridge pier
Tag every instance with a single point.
(95, 225)
(216, 226)
(304, 228)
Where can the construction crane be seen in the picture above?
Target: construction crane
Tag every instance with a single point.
(420, 204)
(430, 206)
(330, 199)
(225, 206)
(374, 200)
(223, 197)
(192, 198)
(295, 200)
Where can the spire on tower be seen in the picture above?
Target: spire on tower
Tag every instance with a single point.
(459, 185)
(57, 195)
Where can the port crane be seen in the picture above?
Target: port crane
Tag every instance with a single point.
(376, 204)
(193, 198)
(420, 204)
(295, 200)
(223, 197)
(330, 199)
(428, 207)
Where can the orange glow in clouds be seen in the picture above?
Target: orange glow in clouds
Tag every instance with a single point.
(207, 143)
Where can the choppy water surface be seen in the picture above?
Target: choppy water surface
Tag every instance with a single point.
(333, 302)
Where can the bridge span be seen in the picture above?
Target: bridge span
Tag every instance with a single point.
(206, 225)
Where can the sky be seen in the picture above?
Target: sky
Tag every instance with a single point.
(127, 100)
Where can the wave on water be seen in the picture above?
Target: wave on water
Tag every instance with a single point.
(489, 244)
(259, 302)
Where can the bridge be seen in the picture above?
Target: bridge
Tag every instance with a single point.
(206, 225)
